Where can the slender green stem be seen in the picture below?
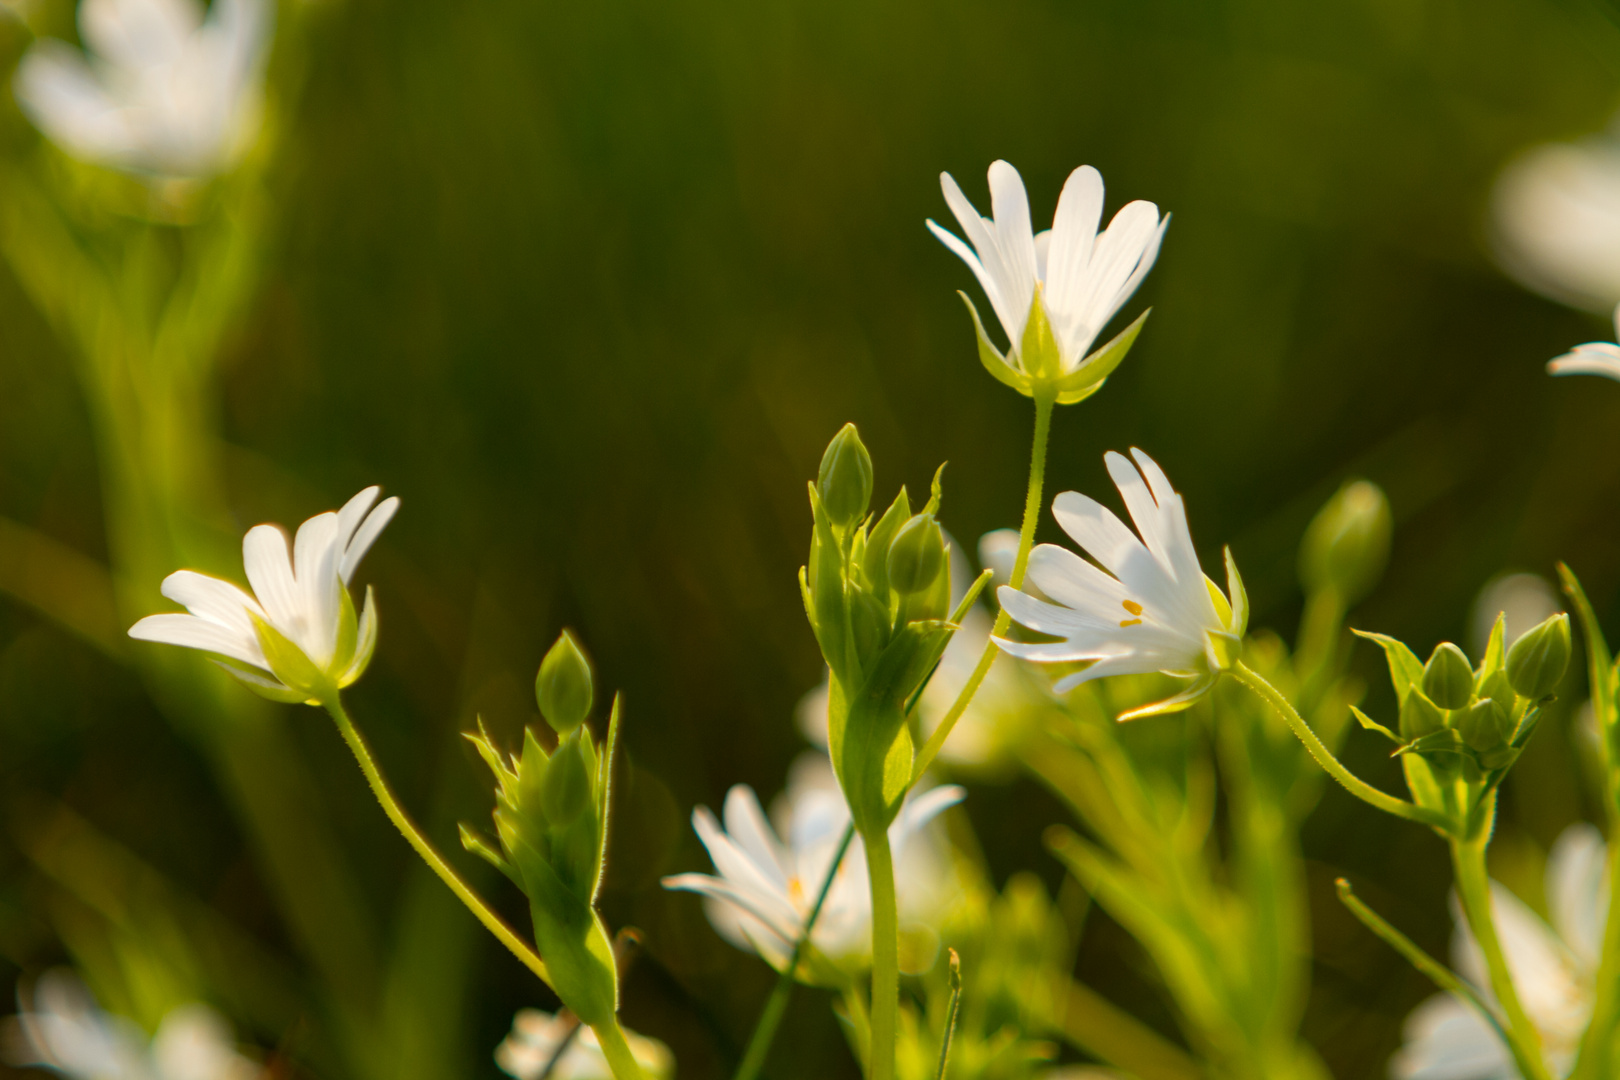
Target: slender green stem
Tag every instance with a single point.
(885, 955)
(617, 1051)
(1026, 540)
(413, 836)
(1324, 757)
(776, 1006)
(950, 1017)
(1474, 890)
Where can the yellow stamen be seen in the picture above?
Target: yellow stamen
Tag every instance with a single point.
(1133, 607)
(1130, 622)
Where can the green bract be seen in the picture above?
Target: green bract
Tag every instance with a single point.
(551, 813)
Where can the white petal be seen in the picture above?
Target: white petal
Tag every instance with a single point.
(139, 33)
(763, 885)
(1447, 1040)
(1578, 891)
(748, 829)
(1596, 358)
(367, 535)
(1044, 652)
(1073, 582)
(997, 277)
(191, 632)
(316, 556)
(212, 599)
(354, 512)
(1074, 234)
(61, 95)
(1099, 533)
(1014, 236)
(268, 564)
(919, 810)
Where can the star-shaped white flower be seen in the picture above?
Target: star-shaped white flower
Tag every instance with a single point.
(297, 636)
(765, 888)
(1593, 358)
(165, 89)
(1075, 277)
(1554, 971)
(1150, 607)
(62, 1028)
(536, 1036)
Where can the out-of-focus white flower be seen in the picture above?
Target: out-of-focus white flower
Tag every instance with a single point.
(1554, 970)
(64, 1029)
(1593, 358)
(1153, 609)
(536, 1036)
(165, 89)
(1523, 601)
(1082, 277)
(998, 551)
(298, 632)
(1555, 220)
(766, 888)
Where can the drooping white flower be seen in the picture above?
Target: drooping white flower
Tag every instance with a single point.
(765, 888)
(1554, 971)
(1593, 358)
(297, 635)
(536, 1036)
(62, 1028)
(1555, 221)
(1079, 277)
(1150, 607)
(165, 88)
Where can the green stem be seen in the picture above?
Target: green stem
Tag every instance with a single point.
(950, 1017)
(1324, 757)
(1026, 540)
(617, 1051)
(776, 1006)
(419, 843)
(1474, 890)
(885, 955)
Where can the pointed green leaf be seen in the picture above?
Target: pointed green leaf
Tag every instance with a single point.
(1372, 725)
(1405, 669)
(996, 364)
(1088, 377)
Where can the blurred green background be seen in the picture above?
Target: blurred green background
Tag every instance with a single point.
(590, 286)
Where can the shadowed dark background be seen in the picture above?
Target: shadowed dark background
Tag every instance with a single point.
(590, 286)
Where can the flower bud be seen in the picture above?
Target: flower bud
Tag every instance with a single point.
(564, 687)
(917, 555)
(1420, 717)
(566, 790)
(1536, 663)
(845, 479)
(1347, 543)
(1484, 727)
(1447, 679)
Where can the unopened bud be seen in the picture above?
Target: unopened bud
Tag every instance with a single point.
(1420, 717)
(564, 687)
(1485, 726)
(845, 479)
(567, 789)
(917, 555)
(1536, 663)
(1347, 543)
(1447, 679)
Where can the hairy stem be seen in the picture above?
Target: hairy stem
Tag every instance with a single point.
(1474, 890)
(1324, 757)
(1026, 540)
(419, 843)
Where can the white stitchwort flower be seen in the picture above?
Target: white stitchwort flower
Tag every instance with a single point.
(765, 888)
(297, 636)
(537, 1035)
(1152, 610)
(1593, 358)
(63, 1028)
(1554, 970)
(1076, 277)
(165, 88)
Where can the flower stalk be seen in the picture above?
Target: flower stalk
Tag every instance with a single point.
(885, 954)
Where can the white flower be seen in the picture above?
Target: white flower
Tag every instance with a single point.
(1593, 358)
(1153, 609)
(765, 888)
(535, 1036)
(1555, 221)
(1554, 971)
(63, 1029)
(1080, 276)
(298, 632)
(164, 89)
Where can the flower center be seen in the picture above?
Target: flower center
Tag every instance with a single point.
(1135, 609)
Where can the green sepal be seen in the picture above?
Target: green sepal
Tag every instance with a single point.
(1405, 669)
(1372, 725)
(1435, 742)
(347, 635)
(1093, 371)
(875, 553)
(996, 364)
(1038, 352)
(571, 939)
(826, 579)
(1238, 596)
(604, 790)
(1419, 716)
(566, 791)
(289, 664)
(1495, 652)
(474, 842)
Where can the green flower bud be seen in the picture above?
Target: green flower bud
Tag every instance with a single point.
(1419, 716)
(1448, 680)
(845, 479)
(564, 687)
(1536, 663)
(1484, 727)
(566, 790)
(917, 555)
(1347, 543)
(869, 620)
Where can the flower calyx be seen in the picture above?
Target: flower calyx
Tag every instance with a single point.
(1035, 366)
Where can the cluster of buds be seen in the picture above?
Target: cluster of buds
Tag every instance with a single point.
(551, 813)
(878, 598)
(1461, 727)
